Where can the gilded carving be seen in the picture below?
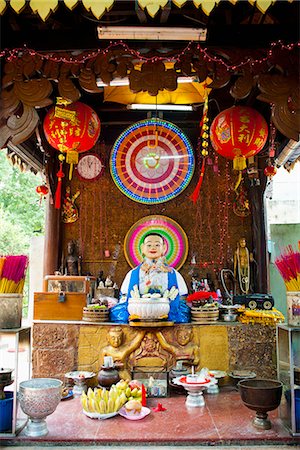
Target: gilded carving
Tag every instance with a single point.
(120, 347)
(183, 348)
(150, 355)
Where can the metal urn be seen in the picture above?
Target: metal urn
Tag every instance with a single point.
(39, 398)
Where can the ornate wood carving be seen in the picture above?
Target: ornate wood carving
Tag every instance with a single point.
(284, 93)
(28, 79)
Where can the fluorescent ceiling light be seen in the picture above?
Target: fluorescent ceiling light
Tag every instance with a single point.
(114, 82)
(125, 81)
(152, 33)
(148, 106)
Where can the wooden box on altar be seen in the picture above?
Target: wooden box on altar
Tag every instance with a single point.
(64, 297)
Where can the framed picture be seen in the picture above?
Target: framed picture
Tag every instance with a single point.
(155, 382)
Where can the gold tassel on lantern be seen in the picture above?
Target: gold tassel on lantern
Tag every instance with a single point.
(239, 163)
(72, 158)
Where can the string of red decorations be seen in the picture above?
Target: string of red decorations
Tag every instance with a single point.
(11, 54)
(208, 214)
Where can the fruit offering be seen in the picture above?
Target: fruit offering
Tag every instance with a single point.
(103, 401)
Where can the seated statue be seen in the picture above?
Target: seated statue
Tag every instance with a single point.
(184, 349)
(153, 275)
(120, 350)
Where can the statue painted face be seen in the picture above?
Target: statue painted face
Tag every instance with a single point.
(153, 247)
(115, 338)
(184, 335)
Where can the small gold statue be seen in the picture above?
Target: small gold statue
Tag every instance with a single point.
(242, 268)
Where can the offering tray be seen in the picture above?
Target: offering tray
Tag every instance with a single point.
(194, 388)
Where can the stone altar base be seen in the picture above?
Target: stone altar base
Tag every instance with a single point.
(59, 347)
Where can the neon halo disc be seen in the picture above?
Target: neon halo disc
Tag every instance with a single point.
(175, 238)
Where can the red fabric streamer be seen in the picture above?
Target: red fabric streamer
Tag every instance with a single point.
(60, 176)
(143, 395)
(195, 195)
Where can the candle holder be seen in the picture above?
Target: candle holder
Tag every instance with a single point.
(79, 378)
(194, 387)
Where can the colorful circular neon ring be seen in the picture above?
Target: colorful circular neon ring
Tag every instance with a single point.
(174, 236)
(152, 161)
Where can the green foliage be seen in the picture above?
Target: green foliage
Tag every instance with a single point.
(21, 216)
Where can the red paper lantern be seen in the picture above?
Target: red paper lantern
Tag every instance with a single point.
(270, 171)
(42, 190)
(76, 127)
(238, 133)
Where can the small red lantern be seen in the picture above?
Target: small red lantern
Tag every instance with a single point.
(76, 127)
(270, 171)
(42, 190)
(238, 133)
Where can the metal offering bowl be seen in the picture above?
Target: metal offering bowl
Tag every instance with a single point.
(39, 398)
(261, 396)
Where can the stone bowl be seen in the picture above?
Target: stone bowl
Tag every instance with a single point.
(148, 308)
(38, 399)
(262, 396)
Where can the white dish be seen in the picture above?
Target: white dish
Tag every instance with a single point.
(242, 374)
(145, 411)
(218, 373)
(95, 415)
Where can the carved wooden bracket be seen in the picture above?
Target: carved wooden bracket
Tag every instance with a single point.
(27, 82)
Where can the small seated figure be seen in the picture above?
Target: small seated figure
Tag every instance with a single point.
(153, 275)
(120, 350)
(108, 281)
(72, 261)
(186, 350)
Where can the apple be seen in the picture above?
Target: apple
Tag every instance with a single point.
(134, 384)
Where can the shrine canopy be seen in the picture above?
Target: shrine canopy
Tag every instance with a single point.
(98, 8)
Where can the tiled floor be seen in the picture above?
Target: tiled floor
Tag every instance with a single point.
(224, 420)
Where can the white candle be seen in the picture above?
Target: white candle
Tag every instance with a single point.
(193, 372)
(108, 361)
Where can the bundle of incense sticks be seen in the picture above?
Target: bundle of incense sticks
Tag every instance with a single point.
(12, 273)
(288, 264)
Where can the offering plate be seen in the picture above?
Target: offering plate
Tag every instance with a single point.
(79, 377)
(194, 387)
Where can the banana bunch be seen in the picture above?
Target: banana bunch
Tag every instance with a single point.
(103, 401)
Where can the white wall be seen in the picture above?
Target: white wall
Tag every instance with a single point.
(36, 267)
(284, 206)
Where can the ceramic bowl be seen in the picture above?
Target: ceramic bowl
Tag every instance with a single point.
(148, 308)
